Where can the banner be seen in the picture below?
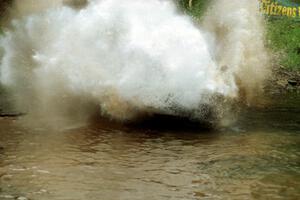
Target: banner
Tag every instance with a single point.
(285, 8)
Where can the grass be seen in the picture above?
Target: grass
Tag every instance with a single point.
(284, 39)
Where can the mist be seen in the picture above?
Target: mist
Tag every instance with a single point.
(67, 61)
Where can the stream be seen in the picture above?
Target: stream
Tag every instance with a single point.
(256, 158)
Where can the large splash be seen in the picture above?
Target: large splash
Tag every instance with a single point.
(130, 57)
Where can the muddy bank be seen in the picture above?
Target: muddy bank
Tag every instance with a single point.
(282, 81)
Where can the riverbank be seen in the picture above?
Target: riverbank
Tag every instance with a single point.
(282, 80)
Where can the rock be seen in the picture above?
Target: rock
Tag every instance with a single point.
(77, 4)
(292, 82)
(199, 194)
(6, 197)
(22, 198)
(281, 83)
(224, 68)
(6, 177)
(11, 114)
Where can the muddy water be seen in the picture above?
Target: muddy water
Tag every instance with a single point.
(257, 158)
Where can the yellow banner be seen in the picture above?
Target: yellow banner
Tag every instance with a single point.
(279, 8)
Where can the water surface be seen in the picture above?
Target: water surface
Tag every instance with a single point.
(257, 158)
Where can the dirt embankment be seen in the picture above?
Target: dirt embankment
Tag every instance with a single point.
(283, 80)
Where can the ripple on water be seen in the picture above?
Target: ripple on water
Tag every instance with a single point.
(127, 163)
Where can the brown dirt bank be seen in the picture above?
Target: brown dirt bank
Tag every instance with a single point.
(283, 80)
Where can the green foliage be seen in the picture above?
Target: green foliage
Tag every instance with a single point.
(296, 1)
(284, 38)
(197, 9)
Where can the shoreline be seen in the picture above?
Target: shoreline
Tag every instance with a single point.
(282, 81)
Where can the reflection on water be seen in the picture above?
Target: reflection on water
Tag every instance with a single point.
(258, 158)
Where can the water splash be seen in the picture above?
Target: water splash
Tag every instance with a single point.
(237, 31)
(123, 59)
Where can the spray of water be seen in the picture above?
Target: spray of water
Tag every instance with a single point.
(237, 30)
(131, 57)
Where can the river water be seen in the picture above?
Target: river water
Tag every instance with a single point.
(256, 158)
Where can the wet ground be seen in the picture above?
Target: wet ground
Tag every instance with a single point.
(257, 158)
